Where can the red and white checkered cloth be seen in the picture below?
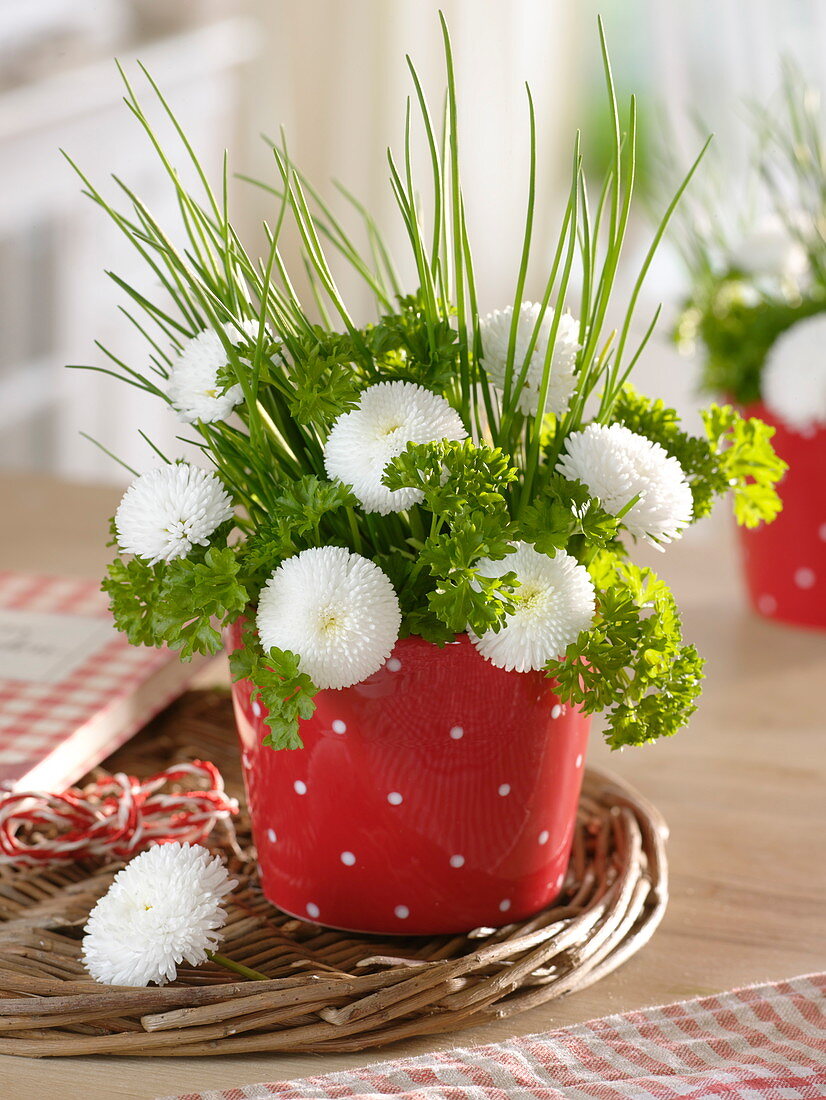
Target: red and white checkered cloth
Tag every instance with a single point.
(763, 1043)
(54, 731)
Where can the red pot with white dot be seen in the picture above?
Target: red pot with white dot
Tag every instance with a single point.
(437, 796)
(785, 561)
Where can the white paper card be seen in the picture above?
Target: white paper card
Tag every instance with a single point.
(39, 648)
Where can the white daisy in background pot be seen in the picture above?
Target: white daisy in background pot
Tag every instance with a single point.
(794, 377)
(495, 330)
(620, 467)
(167, 511)
(413, 726)
(388, 417)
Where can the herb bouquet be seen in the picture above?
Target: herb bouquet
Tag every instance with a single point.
(415, 533)
(757, 308)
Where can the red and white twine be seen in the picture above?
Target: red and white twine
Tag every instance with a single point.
(115, 816)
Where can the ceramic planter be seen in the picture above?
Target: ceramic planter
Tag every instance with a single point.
(785, 561)
(437, 796)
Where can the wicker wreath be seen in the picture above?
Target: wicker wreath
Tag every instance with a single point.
(328, 991)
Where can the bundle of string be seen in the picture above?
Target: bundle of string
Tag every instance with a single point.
(114, 816)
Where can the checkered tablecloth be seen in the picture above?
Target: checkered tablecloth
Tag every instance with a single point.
(763, 1043)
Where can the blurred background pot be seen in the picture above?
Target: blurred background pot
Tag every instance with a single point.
(785, 561)
(438, 795)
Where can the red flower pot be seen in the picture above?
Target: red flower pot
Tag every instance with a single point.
(438, 795)
(785, 561)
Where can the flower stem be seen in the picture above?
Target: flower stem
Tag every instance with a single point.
(238, 968)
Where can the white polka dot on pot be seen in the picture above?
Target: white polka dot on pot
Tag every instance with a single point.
(504, 905)
(544, 836)
(556, 710)
(272, 836)
(804, 577)
(402, 912)
(578, 762)
(313, 910)
(560, 880)
(457, 861)
(348, 859)
(256, 709)
(394, 664)
(339, 726)
(300, 787)
(504, 789)
(766, 604)
(457, 733)
(395, 799)
(821, 532)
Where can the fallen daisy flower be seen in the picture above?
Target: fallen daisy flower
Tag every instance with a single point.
(164, 908)
(168, 510)
(554, 603)
(389, 416)
(337, 611)
(617, 466)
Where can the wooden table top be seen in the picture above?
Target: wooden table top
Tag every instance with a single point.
(742, 789)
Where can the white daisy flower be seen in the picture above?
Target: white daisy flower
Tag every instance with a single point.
(166, 511)
(554, 602)
(389, 416)
(495, 332)
(616, 465)
(337, 611)
(164, 908)
(771, 249)
(193, 385)
(794, 376)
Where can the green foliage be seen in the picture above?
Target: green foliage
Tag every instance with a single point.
(412, 346)
(463, 485)
(276, 680)
(175, 603)
(747, 463)
(562, 511)
(325, 377)
(632, 663)
(294, 522)
(737, 326)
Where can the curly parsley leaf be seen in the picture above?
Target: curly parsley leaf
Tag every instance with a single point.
(325, 378)
(275, 679)
(747, 463)
(462, 484)
(293, 523)
(407, 346)
(632, 662)
(177, 603)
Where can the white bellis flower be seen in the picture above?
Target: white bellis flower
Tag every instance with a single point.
(166, 511)
(337, 611)
(553, 604)
(794, 377)
(193, 386)
(617, 465)
(495, 332)
(388, 417)
(164, 908)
